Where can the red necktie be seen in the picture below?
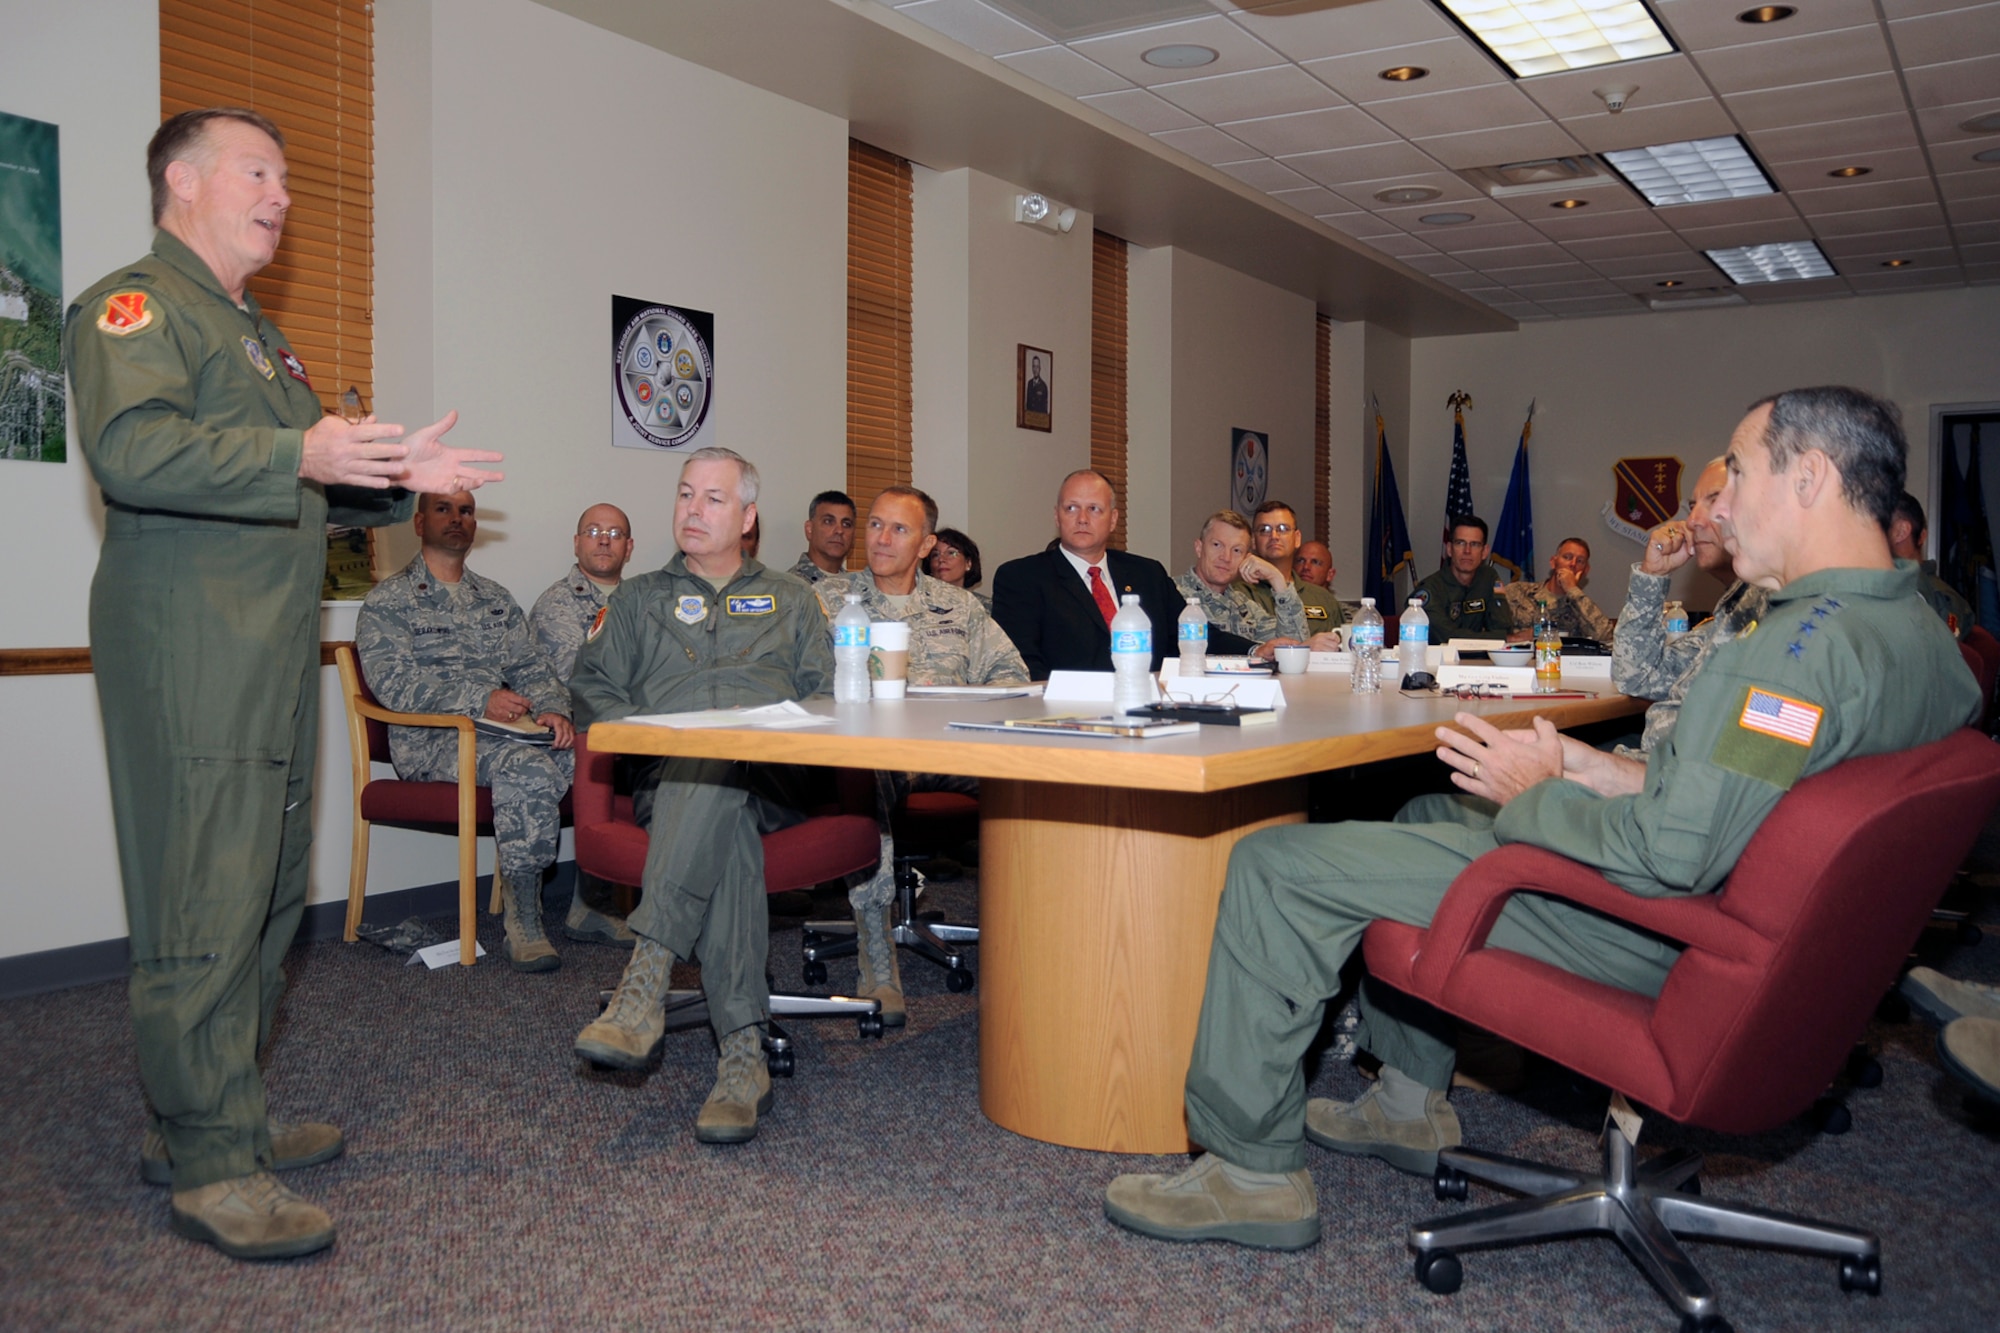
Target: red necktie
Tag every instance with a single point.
(1105, 605)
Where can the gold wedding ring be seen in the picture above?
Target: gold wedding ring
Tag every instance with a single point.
(1477, 769)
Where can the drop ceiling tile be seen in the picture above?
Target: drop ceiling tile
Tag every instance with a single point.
(1460, 237)
(1798, 59)
(1598, 249)
(1473, 284)
(1946, 124)
(1643, 126)
(1539, 206)
(1957, 158)
(1441, 267)
(1485, 213)
(1959, 185)
(1313, 200)
(1454, 63)
(1141, 110)
(1835, 138)
(1653, 268)
(1982, 275)
(1947, 85)
(1360, 226)
(1311, 131)
(1703, 25)
(1934, 39)
(1566, 227)
(985, 30)
(1897, 9)
(1812, 103)
(1345, 166)
(1543, 292)
(1893, 164)
(1522, 276)
(1866, 192)
(1452, 191)
(1261, 173)
(1454, 112)
(1975, 233)
(1264, 92)
(1809, 289)
(1064, 70)
(1863, 222)
(1985, 253)
(1205, 143)
(1235, 49)
(1619, 304)
(1902, 280)
(1758, 208)
(1889, 245)
(1402, 247)
(1485, 148)
(1655, 81)
(1508, 256)
(1745, 233)
(1962, 211)
(1372, 26)
(1689, 276)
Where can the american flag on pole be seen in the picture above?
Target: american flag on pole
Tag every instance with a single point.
(1776, 715)
(1457, 491)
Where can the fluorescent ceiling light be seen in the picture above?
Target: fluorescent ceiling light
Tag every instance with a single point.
(1786, 261)
(1543, 36)
(1693, 172)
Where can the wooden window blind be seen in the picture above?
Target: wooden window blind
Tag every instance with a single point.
(310, 66)
(878, 326)
(1108, 366)
(1322, 427)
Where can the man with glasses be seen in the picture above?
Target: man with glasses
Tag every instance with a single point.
(562, 619)
(1464, 600)
(1575, 615)
(1276, 537)
(1225, 579)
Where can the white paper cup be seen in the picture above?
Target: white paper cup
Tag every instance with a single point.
(888, 658)
(888, 689)
(889, 634)
(1292, 659)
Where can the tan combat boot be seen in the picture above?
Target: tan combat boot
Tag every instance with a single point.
(292, 1146)
(586, 925)
(632, 1026)
(252, 1217)
(875, 950)
(742, 1090)
(528, 947)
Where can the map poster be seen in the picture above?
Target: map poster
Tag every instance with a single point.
(32, 418)
(662, 375)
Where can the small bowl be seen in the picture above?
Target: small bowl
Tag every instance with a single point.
(1511, 657)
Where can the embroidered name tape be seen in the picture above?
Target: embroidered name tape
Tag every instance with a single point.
(752, 606)
(1775, 715)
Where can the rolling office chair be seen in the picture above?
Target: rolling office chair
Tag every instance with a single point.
(1782, 968)
(611, 845)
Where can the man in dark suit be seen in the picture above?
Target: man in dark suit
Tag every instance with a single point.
(1057, 605)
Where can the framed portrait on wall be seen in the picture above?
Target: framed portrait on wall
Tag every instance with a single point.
(1034, 372)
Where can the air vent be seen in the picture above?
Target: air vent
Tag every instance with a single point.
(1695, 298)
(1546, 174)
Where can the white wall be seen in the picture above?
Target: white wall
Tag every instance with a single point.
(1350, 441)
(1638, 386)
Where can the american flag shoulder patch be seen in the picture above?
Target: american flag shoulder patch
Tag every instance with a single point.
(1781, 716)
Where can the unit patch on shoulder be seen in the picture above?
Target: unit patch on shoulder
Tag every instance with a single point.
(294, 367)
(255, 351)
(691, 609)
(125, 313)
(762, 605)
(1772, 738)
(596, 625)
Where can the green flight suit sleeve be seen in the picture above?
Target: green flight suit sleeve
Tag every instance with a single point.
(812, 662)
(602, 685)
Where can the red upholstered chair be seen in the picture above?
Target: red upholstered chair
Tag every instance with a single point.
(461, 809)
(1782, 968)
(610, 845)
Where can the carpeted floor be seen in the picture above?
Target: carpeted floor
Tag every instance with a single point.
(494, 1181)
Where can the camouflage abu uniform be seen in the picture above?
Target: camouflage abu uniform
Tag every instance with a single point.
(1235, 610)
(953, 640)
(672, 642)
(563, 615)
(1573, 612)
(427, 649)
(1646, 665)
(1952, 608)
(807, 570)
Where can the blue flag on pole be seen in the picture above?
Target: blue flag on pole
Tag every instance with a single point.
(1514, 536)
(1388, 535)
(1457, 491)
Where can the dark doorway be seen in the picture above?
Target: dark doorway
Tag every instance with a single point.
(1966, 442)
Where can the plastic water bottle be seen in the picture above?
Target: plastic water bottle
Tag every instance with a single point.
(1548, 647)
(850, 652)
(1413, 638)
(1364, 642)
(1131, 655)
(1194, 639)
(1676, 616)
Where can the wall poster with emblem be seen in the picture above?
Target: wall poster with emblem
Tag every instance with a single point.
(33, 424)
(1249, 469)
(662, 375)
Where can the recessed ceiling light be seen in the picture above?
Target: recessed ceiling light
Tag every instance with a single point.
(1766, 14)
(1897, 263)
(1570, 203)
(1786, 261)
(1408, 194)
(1692, 172)
(1670, 282)
(1179, 57)
(1543, 36)
(1849, 173)
(1986, 124)
(1445, 219)
(1404, 73)
(1989, 155)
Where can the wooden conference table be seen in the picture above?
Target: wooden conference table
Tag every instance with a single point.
(1100, 865)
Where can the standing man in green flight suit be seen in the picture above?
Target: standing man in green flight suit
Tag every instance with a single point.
(219, 474)
(1846, 662)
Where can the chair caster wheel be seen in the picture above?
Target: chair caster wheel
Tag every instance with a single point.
(1863, 1069)
(1440, 1271)
(1449, 1183)
(1861, 1275)
(1831, 1117)
(958, 981)
(779, 1063)
(1714, 1323)
(1969, 934)
(870, 1025)
(815, 973)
